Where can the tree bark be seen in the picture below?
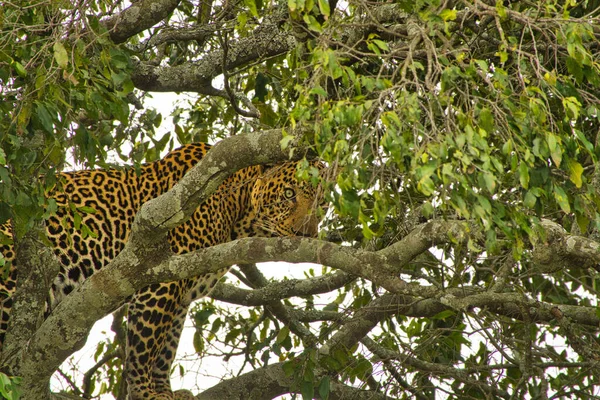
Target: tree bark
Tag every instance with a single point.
(139, 16)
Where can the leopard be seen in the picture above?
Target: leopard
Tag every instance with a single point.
(260, 200)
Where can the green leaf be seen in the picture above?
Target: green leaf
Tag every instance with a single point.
(99, 350)
(556, 155)
(308, 390)
(562, 199)
(530, 199)
(448, 14)
(86, 231)
(427, 209)
(500, 9)
(60, 54)
(119, 78)
(582, 221)
(485, 204)
(232, 335)
(363, 369)
(198, 342)
(426, 186)
(289, 368)
(252, 7)
(285, 141)
(490, 181)
(503, 56)
(586, 143)
(324, 388)
(9, 387)
(21, 71)
(575, 173)
(242, 19)
(381, 44)
(571, 106)
(524, 175)
(318, 90)
(282, 334)
(313, 24)
(44, 117)
(324, 8)
(486, 120)
(574, 68)
(350, 203)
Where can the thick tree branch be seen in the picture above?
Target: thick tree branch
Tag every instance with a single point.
(197, 33)
(561, 250)
(138, 17)
(37, 269)
(281, 289)
(267, 41)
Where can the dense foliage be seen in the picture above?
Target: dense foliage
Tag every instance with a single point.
(484, 112)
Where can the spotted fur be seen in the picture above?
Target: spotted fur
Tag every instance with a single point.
(256, 201)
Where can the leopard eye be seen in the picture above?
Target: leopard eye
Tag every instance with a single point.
(289, 193)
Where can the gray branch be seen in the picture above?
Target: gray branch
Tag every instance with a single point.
(268, 41)
(281, 290)
(138, 17)
(560, 250)
(287, 315)
(37, 267)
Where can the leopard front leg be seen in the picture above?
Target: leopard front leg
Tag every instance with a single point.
(192, 289)
(162, 367)
(151, 317)
(154, 324)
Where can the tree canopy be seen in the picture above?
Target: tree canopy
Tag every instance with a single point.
(460, 254)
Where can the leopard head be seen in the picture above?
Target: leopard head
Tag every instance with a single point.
(284, 205)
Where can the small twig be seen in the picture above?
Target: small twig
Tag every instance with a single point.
(87, 377)
(247, 357)
(70, 382)
(285, 314)
(458, 374)
(389, 367)
(233, 97)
